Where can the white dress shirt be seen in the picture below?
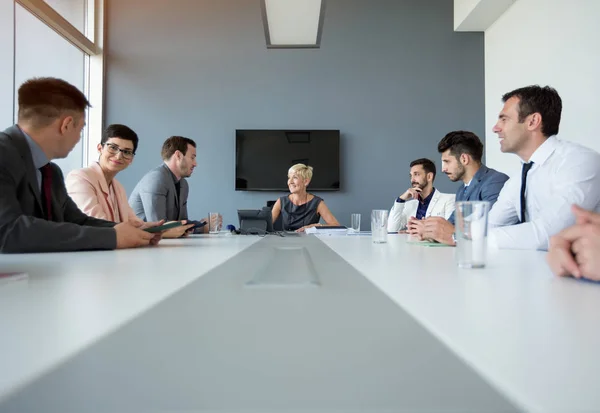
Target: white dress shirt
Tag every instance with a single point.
(563, 174)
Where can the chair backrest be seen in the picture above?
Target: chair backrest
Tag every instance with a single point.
(278, 224)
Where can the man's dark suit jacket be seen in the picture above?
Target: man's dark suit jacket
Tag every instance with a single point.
(23, 227)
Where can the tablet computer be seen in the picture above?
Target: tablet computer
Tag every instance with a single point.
(163, 227)
(197, 224)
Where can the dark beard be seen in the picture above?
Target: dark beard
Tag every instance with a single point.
(459, 175)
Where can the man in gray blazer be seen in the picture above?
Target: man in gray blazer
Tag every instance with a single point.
(163, 192)
(461, 161)
(36, 214)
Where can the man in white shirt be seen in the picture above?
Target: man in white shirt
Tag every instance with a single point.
(421, 200)
(555, 175)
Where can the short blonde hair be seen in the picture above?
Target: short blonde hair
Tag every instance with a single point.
(303, 171)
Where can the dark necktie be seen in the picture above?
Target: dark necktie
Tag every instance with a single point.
(526, 168)
(46, 171)
(177, 191)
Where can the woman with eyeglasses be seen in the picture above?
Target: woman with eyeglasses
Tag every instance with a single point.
(96, 191)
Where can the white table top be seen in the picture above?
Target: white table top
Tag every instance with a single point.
(70, 300)
(531, 335)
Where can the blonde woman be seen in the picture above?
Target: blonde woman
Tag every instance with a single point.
(300, 210)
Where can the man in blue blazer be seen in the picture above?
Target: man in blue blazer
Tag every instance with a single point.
(461, 161)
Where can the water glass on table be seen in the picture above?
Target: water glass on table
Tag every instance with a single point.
(471, 233)
(355, 222)
(379, 221)
(214, 222)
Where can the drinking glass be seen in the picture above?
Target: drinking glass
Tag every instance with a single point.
(379, 221)
(471, 233)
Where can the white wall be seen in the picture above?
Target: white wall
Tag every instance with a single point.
(478, 15)
(462, 8)
(546, 42)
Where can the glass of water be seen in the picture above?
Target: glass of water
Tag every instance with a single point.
(379, 221)
(214, 222)
(355, 222)
(471, 233)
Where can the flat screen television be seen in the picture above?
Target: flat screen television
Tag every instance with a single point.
(263, 157)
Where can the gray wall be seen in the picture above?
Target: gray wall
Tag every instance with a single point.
(390, 74)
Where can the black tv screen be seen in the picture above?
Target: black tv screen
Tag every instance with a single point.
(263, 157)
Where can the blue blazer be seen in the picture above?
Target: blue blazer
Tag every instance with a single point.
(485, 186)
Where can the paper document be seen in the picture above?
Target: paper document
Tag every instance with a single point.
(326, 230)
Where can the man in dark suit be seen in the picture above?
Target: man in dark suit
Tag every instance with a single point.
(36, 214)
(461, 161)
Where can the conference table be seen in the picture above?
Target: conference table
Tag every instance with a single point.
(234, 323)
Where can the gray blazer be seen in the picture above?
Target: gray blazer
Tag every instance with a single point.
(485, 186)
(154, 197)
(23, 227)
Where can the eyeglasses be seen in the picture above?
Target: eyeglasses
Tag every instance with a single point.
(114, 150)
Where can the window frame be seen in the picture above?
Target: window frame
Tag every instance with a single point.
(91, 43)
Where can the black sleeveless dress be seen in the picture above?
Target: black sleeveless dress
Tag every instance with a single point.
(294, 217)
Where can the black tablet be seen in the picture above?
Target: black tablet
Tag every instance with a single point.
(163, 227)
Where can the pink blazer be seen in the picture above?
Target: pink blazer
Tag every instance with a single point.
(88, 188)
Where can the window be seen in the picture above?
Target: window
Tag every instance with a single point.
(55, 38)
(74, 11)
(34, 43)
(6, 68)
